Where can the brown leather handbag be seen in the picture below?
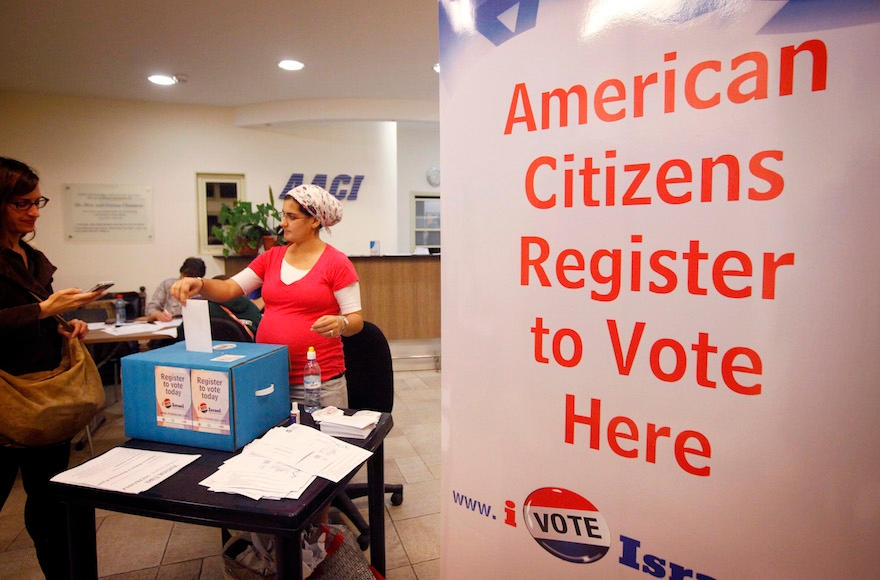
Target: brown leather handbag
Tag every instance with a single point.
(47, 407)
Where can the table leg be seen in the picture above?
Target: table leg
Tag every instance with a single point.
(376, 503)
(82, 542)
(289, 556)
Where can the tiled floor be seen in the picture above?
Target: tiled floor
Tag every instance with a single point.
(137, 548)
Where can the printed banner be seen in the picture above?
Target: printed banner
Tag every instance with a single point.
(659, 285)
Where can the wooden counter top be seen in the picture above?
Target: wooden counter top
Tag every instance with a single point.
(401, 294)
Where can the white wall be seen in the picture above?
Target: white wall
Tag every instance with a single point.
(94, 141)
(418, 149)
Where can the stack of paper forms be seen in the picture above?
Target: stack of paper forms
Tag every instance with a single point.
(336, 423)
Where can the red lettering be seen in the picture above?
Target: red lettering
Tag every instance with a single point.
(520, 96)
(773, 179)
(562, 97)
(577, 348)
(759, 75)
(600, 99)
(680, 360)
(771, 264)
(562, 268)
(720, 273)
(819, 52)
(664, 179)
(631, 434)
(690, 85)
(624, 366)
(623, 428)
(641, 169)
(682, 451)
(526, 262)
(755, 367)
(702, 348)
(530, 182)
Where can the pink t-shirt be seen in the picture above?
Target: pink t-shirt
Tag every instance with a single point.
(291, 309)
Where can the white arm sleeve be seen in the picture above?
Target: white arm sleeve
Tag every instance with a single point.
(248, 280)
(349, 298)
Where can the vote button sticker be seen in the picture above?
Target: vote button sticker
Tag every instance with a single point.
(567, 525)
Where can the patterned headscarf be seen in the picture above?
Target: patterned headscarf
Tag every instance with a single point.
(318, 203)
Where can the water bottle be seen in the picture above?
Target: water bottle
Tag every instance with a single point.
(312, 382)
(142, 302)
(120, 310)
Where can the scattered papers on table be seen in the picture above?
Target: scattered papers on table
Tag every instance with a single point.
(126, 470)
(284, 462)
(335, 422)
(157, 328)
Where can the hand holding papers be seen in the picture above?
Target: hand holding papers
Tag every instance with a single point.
(283, 463)
(336, 423)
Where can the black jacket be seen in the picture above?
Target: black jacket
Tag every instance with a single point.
(27, 343)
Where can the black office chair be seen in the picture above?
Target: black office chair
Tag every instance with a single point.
(370, 379)
(225, 328)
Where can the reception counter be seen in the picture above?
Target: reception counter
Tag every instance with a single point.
(401, 294)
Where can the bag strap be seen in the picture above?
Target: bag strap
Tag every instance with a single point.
(238, 320)
(64, 324)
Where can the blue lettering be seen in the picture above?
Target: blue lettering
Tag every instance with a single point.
(336, 186)
(355, 187)
(654, 566)
(472, 504)
(630, 552)
(296, 179)
(677, 572)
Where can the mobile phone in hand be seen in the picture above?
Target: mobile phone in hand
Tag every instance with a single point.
(100, 286)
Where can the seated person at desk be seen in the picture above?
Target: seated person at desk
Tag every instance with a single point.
(163, 306)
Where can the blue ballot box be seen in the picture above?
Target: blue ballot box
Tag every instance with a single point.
(220, 400)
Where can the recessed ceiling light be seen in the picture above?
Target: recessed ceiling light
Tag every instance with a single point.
(437, 68)
(166, 80)
(291, 65)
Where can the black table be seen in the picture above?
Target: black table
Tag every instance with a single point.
(181, 498)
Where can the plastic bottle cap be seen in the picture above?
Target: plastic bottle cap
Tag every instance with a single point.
(311, 355)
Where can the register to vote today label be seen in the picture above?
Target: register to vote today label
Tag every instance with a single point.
(192, 399)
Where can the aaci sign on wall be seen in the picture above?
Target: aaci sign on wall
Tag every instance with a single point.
(342, 187)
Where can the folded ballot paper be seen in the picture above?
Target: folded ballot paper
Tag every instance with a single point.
(335, 422)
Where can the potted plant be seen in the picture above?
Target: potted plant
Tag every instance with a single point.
(239, 228)
(270, 217)
(243, 226)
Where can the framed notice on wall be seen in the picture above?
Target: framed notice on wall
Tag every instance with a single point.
(108, 213)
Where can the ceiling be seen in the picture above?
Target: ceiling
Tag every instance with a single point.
(228, 49)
